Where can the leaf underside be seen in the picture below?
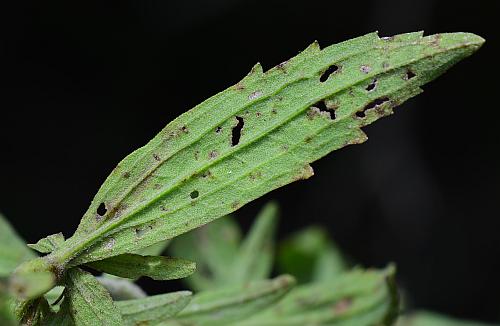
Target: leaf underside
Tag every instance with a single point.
(256, 136)
(156, 267)
(88, 302)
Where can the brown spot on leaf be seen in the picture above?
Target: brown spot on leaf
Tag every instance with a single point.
(213, 154)
(126, 175)
(235, 205)
(156, 157)
(110, 244)
(255, 95)
(342, 306)
(282, 66)
(365, 69)
(305, 173)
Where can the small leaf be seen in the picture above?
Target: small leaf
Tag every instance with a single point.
(54, 295)
(310, 255)
(427, 318)
(357, 298)
(156, 267)
(48, 244)
(153, 309)
(256, 136)
(13, 250)
(120, 288)
(88, 301)
(255, 257)
(233, 304)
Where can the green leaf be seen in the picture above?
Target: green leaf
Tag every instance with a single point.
(233, 304)
(48, 244)
(427, 318)
(310, 255)
(156, 267)
(153, 309)
(256, 136)
(356, 298)
(213, 247)
(254, 260)
(88, 301)
(54, 295)
(13, 249)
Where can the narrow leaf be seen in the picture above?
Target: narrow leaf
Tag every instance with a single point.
(88, 301)
(156, 267)
(13, 250)
(255, 258)
(230, 305)
(48, 244)
(256, 136)
(356, 298)
(153, 309)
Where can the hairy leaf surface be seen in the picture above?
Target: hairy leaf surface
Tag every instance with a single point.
(155, 267)
(256, 136)
(88, 301)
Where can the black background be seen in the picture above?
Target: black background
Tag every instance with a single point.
(84, 83)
